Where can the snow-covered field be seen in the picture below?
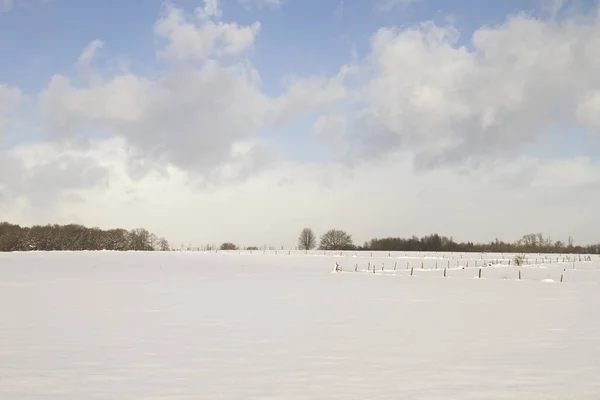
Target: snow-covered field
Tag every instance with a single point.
(266, 326)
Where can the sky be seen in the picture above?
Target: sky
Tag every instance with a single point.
(207, 121)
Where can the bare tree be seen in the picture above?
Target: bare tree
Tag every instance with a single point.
(228, 246)
(335, 239)
(72, 237)
(163, 245)
(307, 239)
(140, 240)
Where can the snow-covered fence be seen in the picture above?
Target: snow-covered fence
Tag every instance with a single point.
(487, 270)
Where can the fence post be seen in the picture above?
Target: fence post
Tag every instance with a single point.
(411, 271)
(479, 273)
(444, 272)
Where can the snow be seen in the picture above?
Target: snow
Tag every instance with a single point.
(104, 325)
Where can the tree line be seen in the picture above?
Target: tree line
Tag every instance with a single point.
(335, 239)
(75, 237)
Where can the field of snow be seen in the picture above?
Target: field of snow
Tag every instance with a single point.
(284, 326)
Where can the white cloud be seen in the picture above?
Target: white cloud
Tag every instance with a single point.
(388, 5)
(197, 112)
(191, 116)
(588, 111)
(303, 95)
(117, 101)
(452, 105)
(553, 6)
(10, 97)
(88, 54)
(39, 178)
(212, 8)
(270, 2)
(332, 128)
(261, 3)
(382, 198)
(10, 100)
(191, 41)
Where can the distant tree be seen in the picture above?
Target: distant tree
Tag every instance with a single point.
(228, 246)
(140, 240)
(519, 260)
(307, 239)
(73, 237)
(252, 248)
(153, 241)
(335, 239)
(163, 245)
